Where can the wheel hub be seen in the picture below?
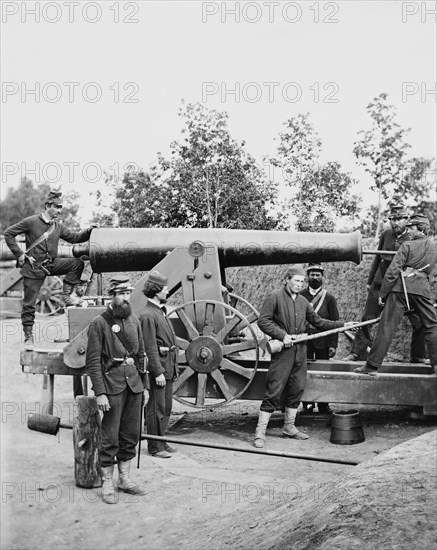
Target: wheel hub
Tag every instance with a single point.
(204, 354)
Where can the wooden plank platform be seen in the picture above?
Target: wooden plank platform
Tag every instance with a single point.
(328, 381)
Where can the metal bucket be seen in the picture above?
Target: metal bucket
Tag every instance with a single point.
(346, 428)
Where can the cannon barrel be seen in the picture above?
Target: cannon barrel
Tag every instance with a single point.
(140, 249)
(64, 251)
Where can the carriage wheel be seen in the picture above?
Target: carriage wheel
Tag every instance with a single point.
(49, 300)
(207, 353)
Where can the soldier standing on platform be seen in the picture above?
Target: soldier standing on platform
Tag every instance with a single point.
(406, 285)
(391, 239)
(43, 232)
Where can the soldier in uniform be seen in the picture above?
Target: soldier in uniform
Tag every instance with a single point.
(283, 317)
(391, 239)
(43, 232)
(325, 305)
(414, 262)
(115, 362)
(162, 353)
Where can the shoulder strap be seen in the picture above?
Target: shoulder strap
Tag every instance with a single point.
(120, 335)
(41, 238)
(321, 299)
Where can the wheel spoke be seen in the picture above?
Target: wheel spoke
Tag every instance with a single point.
(230, 325)
(223, 385)
(239, 346)
(41, 307)
(201, 388)
(190, 328)
(54, 298)
(252, 317)
(230, 365)
(51, 307)
(51, 283)
(188, 371)
(182, 343)
(208, 329)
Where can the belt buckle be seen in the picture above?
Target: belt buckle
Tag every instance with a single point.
(129, 361)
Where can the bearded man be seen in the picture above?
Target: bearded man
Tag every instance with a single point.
(115, 361)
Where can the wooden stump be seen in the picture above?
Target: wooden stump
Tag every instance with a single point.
(86, 440)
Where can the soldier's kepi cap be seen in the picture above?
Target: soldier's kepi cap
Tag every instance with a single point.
(157, 278)
(54, 198)
(397, 210)
(315, 267)
(418, 218)
(119, 285)
(295, 270)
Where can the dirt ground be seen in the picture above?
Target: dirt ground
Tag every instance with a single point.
(206, 498)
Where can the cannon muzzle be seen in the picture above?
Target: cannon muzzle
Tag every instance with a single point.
(140, 249)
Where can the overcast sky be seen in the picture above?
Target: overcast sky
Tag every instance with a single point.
(129, 65)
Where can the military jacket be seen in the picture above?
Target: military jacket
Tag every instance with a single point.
(109, 376)
(417, 259)
(281, 315)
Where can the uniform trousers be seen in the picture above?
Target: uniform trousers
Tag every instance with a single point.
(392, 314)
(287, 375)
(121, 427)
(363, 336)
(158, 411)
(70, 267)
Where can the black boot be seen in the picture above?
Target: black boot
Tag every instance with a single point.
(69, 300)
(29, 343)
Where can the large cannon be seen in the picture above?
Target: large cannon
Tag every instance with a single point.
(209, 321)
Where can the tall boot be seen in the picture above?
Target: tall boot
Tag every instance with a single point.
(124, 482)
(29, 343)
(260, 432)
(289, 429)
(108, 491)
(69, 300)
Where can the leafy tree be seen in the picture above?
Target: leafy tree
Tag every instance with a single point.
(27, 200)
(208, 181)
(382, 151)
(317, 195)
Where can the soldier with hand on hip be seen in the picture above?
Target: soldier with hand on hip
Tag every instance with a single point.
(43, 232)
